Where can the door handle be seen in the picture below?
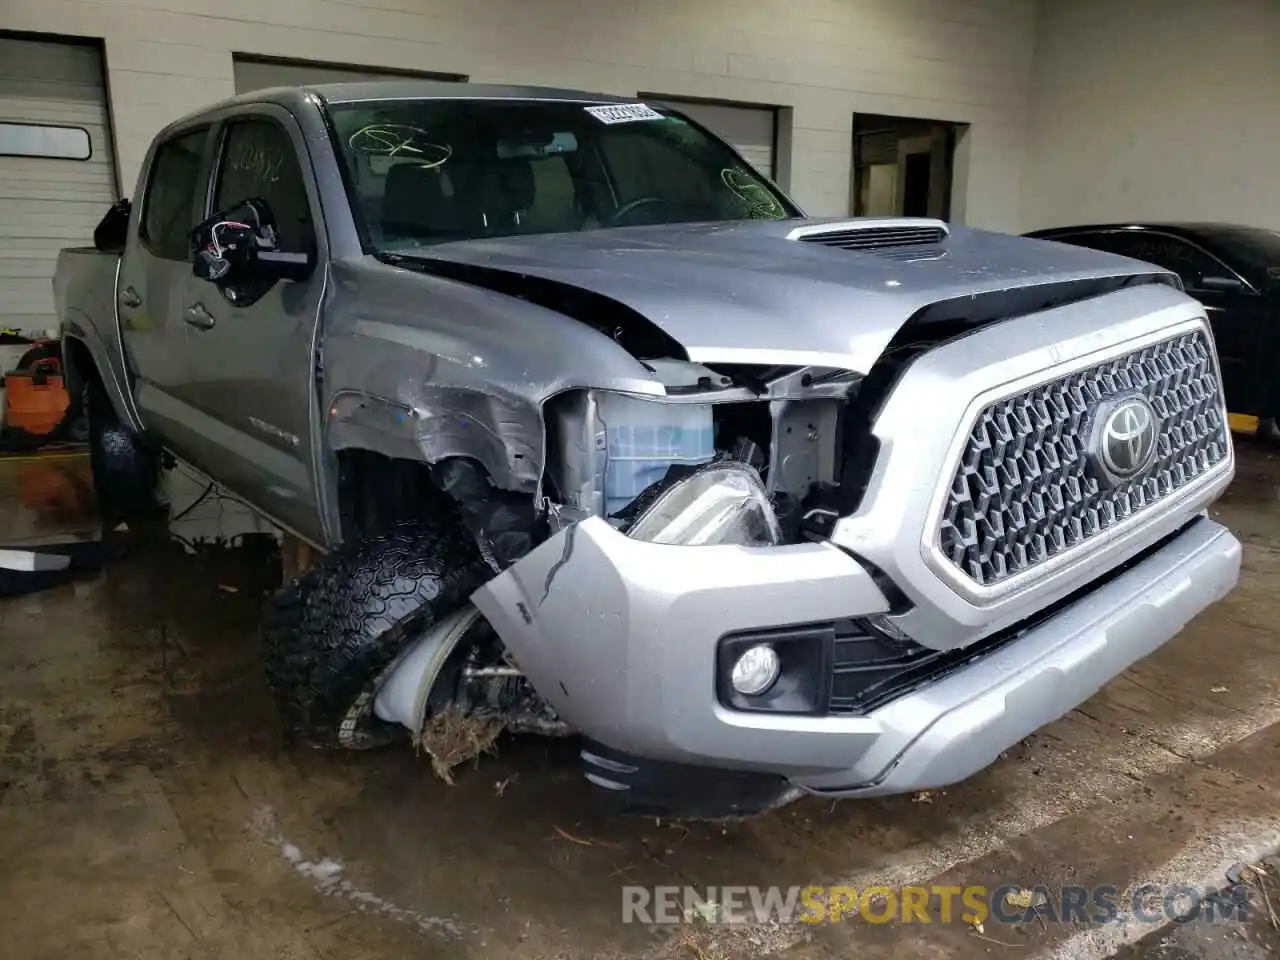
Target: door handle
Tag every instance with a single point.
(129, 297)
(198, 316)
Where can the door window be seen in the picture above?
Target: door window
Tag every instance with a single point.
(1187, 261)
(259, 163)
(169, 205)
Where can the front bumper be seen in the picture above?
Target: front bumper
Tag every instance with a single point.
(620, 636)
(952, 729)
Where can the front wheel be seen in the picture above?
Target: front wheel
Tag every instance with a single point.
(331, 635)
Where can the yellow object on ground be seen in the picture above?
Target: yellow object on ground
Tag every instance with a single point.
(1242, 423)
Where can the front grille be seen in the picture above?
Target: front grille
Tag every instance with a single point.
(872, 238)
(1023, 492)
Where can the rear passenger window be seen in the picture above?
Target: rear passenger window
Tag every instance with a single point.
(167, 216)
(259, 162)
(1107, 242)
(1171, 253)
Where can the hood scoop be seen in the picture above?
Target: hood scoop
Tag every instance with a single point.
(874, 234)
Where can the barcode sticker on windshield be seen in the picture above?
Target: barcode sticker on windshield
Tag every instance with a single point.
(624, 113)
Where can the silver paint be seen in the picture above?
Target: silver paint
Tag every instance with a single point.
(742, 292)
(444, 352)
(619, 635)
(439, 373)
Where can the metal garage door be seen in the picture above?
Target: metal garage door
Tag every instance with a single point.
(750, 129)
(57, 175)
(253, 74)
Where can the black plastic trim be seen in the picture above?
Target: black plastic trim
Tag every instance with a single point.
(937, 324)
(636, 333)
(680, 791)
(803, 686)
(918, 669)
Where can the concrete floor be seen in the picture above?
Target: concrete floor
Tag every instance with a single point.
(148, 809)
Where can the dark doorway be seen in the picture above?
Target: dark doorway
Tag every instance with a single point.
(902, 166)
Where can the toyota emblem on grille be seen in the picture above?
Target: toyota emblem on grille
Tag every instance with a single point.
(1124, 438)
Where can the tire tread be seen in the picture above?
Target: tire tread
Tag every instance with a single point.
(330, 634)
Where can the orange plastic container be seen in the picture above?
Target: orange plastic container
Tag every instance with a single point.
(36, 400)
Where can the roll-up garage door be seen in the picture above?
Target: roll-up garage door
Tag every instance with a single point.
(251, 74)
(750, 129)
(57, 175)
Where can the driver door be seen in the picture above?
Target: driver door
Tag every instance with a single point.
(253, 356)
(152, 284)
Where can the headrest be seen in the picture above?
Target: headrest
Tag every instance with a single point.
(509, 185)
(414, 201)
(409, 179)
(520, 183)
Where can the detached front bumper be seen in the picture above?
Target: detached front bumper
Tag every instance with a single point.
(621, 637)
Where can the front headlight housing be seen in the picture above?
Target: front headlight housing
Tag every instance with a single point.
(722, 503)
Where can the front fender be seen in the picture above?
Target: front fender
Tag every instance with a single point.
(425, 368)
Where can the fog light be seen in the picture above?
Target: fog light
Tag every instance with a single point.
(756, 670)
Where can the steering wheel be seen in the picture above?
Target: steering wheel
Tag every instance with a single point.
(633, 205)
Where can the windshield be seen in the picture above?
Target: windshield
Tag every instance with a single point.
(431, 171)
(1256, 251)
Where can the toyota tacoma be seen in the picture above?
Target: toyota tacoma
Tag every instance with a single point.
(587, 429)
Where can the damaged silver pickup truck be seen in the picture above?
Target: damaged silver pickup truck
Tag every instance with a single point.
(593, 432)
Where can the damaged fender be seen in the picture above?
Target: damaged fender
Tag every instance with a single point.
(468, 380)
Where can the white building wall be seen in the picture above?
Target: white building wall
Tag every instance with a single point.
(1155, 109)
(956, 60)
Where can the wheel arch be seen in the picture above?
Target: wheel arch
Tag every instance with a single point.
(84, 357)
(77, 364)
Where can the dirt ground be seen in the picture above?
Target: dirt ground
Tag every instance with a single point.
(148, 807)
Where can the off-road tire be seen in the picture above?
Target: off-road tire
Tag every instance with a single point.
(330, 635)
(125, 468)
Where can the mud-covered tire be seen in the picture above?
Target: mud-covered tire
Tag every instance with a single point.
(125, 468)
(330, 635)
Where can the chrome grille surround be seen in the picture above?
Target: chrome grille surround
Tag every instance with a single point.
(1021, 494)
(925, 425)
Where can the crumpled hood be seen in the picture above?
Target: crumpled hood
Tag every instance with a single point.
(743, 292)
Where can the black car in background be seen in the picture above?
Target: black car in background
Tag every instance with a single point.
(1234, 271)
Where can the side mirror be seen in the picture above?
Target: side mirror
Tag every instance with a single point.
(1219, 283)
(112, 232)
(240, 245)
